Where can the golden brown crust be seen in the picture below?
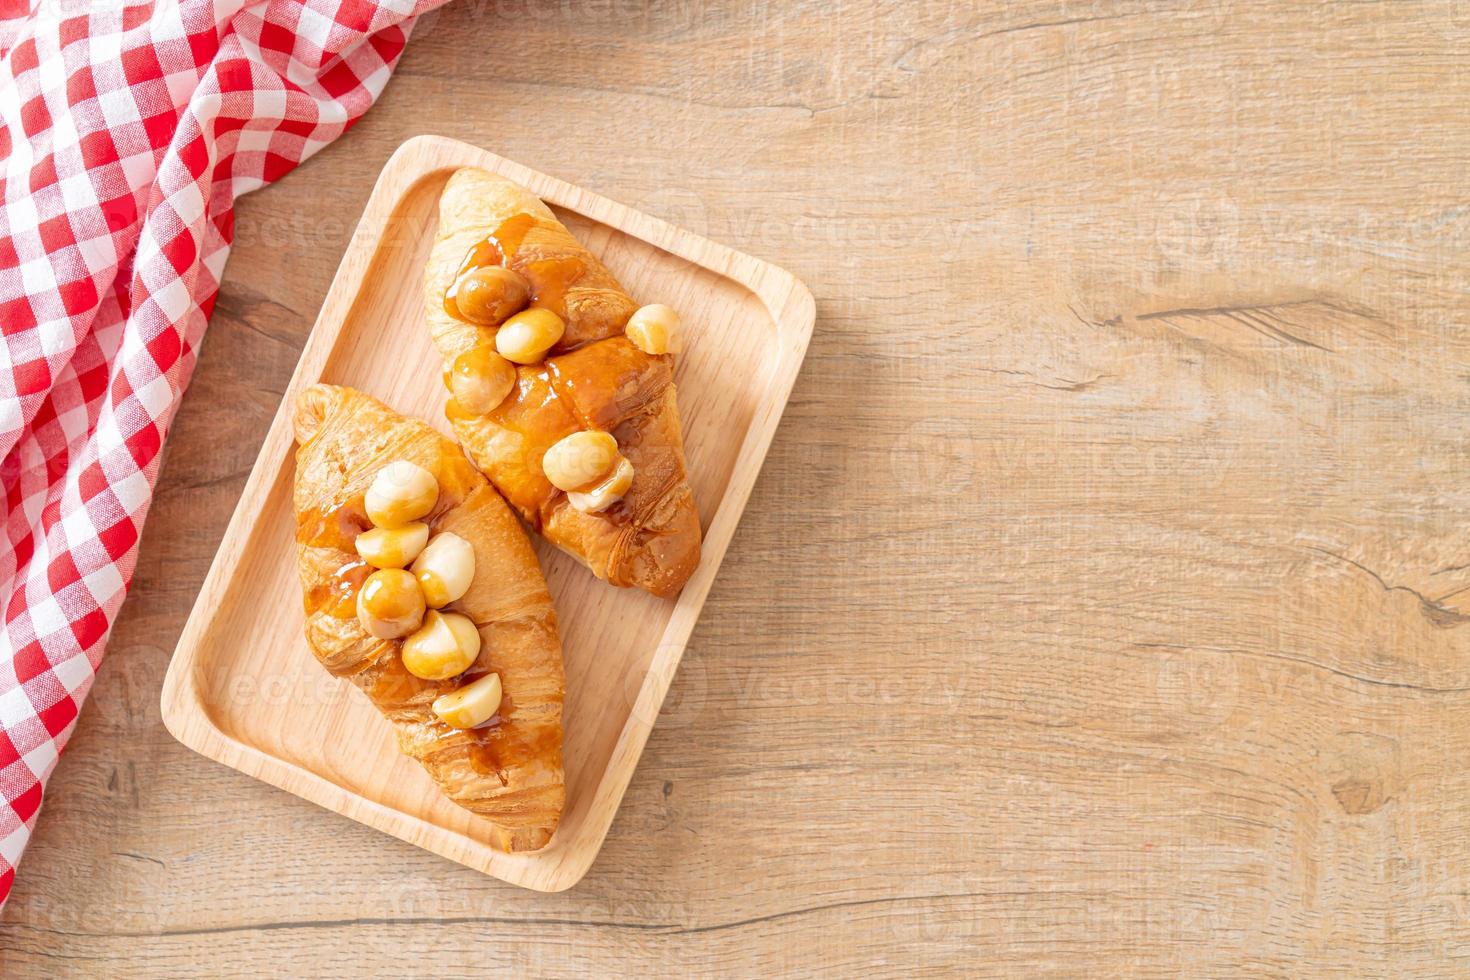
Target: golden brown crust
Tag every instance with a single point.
(595, 379)
(511, 771)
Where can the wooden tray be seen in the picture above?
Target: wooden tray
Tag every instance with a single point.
(244, 689)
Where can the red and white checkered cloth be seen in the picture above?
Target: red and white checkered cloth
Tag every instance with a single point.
(126, 133)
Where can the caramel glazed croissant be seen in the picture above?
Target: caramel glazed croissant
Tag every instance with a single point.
(594, 379)
(509, 769)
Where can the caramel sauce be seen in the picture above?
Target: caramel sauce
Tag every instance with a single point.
(512, 232)
(393, 688)
(336, 527)
(455, 412)
(337, 596)
(604, 384)
(534, 412)
(527, 404)
(500, 744)
(483, 755)
(549, 278)
(485, 253)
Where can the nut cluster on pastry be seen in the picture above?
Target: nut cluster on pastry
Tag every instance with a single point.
(586, 465)
(398, 602)
(589, 468)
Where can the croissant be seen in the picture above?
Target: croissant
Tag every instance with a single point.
(593, 378)
(509, 770)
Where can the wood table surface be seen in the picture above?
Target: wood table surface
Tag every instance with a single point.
(1102, 606)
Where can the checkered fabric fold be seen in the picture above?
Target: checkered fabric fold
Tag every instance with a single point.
(126, 133)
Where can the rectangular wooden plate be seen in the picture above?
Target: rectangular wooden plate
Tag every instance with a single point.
(244, 689)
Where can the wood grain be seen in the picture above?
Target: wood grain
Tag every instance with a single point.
(1100, 608)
